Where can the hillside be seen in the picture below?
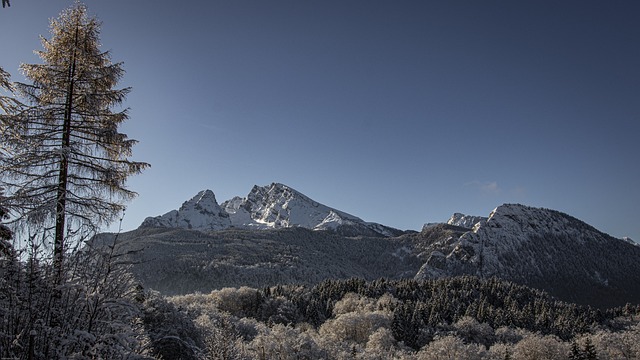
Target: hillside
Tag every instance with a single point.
(544, 249)
(179, 261)
(277, 235)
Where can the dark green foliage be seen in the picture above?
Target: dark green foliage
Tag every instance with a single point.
(576, 353)
(589, 350)
(172, 335)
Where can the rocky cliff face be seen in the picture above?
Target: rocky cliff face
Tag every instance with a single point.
(465, 221)
(200, 212)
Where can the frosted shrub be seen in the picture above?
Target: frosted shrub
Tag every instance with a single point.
(284, 342)
(242, 302)
(537, 347)
(499, 351)
(355, 326)
(620, 345)
(222, 341)
(352, 302)
(451, 348)
(94, 312)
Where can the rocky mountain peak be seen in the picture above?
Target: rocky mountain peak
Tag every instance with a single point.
(204, 201)
(265, 207)
(201, 212)
(465, 221)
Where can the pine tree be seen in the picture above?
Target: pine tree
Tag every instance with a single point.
(590, 350)
(67, 162)
(576, 353)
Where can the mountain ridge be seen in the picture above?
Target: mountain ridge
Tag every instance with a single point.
(265, 207)
(542, 248)
(204, 245)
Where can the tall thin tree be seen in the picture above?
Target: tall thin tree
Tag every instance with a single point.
(6, 104)
(67, 162)
(5, 233)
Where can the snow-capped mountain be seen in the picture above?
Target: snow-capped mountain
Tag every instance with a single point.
(201, 212)
(541, 248)
(265, 207)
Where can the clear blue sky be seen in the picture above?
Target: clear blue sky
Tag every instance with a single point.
(399, 112)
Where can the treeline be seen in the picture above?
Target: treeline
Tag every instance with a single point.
(473, 318)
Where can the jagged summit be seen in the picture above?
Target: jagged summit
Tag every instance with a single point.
(265, 207)
(279, 205)
(200, 212)
(465, 221)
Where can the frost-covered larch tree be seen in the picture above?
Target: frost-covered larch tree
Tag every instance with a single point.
(67, 163)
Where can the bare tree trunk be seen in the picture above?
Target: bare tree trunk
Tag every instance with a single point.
(58, 247)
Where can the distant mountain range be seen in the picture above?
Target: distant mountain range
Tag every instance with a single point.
(277, 235)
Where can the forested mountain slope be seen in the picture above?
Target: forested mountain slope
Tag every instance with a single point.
(541, 248)
(545, 249)
(179, 261)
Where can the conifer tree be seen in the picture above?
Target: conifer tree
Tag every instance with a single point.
(576, 353)
(67, 162)
(590, 350)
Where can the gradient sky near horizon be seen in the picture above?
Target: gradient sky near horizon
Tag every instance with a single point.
(398, 112)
